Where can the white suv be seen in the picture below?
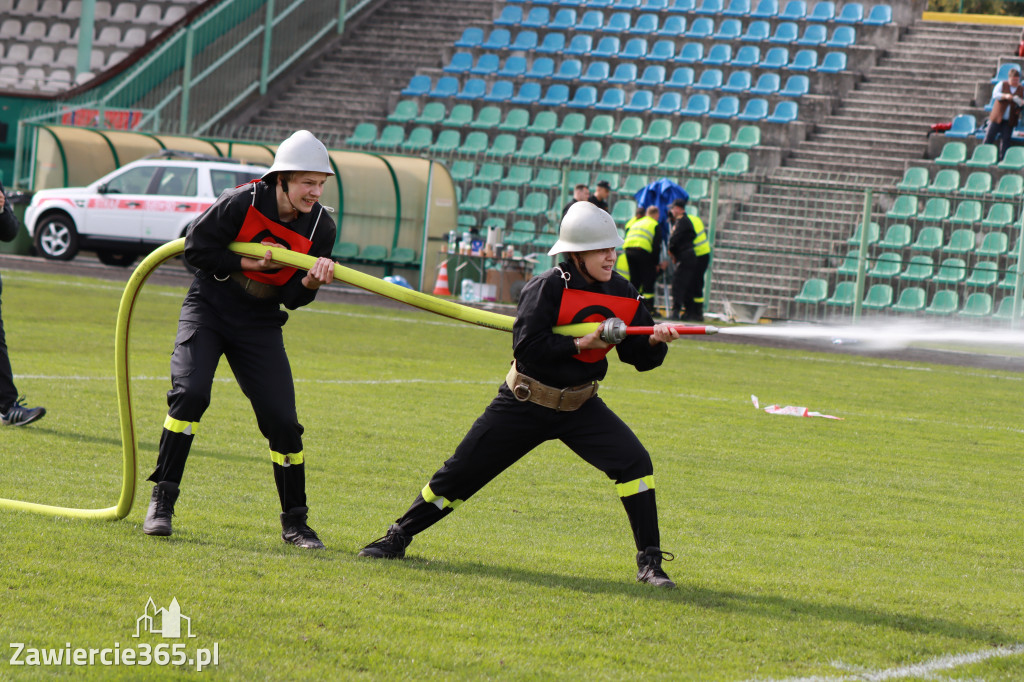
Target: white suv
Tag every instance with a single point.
(132, 210)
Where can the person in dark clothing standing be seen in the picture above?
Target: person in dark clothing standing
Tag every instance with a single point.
(233, 308)
(691, 253)
(600, 195)
(579, 193)
(551, 393)
(643, 250)
(1007, 100)
(13, 411)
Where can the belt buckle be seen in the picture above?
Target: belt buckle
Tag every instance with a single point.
(522, 392)
(561, 398)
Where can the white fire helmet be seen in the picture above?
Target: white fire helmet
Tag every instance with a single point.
(301, 152)
(586, 227)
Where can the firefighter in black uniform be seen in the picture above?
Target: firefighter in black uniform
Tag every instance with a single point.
(551, 392)
(233, 308)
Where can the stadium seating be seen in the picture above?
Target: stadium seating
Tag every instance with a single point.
(919, 269)
(886, 266)
(963, 125)
(879, 296)
(952, 154)
(951, 271)
(978, 183)
(911, 300)
(978, 304)
(897, 236)
(813, 291)
(993, 245)
(874, 230)
(843, 295)
(928, 239)
(915, 178)
(984, 274)
(944, 302)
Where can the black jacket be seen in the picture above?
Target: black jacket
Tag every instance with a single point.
(547, 357)
(680, 243)
(8, 221)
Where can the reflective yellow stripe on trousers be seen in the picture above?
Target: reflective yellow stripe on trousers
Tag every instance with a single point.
(177, 426)
(286, 460)
(440, 502)
(635, 486)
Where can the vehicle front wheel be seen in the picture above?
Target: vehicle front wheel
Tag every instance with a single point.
(118, 258)
(56, 237)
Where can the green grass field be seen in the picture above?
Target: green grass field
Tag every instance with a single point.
(888, 545)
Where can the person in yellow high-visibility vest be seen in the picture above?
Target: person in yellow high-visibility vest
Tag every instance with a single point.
(643, 248)
(691, 253)
(621, 266)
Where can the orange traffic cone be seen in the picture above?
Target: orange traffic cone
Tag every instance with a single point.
(441, 287)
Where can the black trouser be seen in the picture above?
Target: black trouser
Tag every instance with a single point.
(509, 429)
(260, 364)
(1004, 131)
(8, 393)
(643, 272)
(688, 285)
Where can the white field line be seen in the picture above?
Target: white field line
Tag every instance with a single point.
(925, 669)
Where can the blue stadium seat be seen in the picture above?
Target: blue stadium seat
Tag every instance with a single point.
(1004, 72)
(668, 103)
(626, 4)
(834, 62)
(653, 76)
(563, 20)
(702, 27)
(757, 31)
(675, 25)
(446, 86)
(682, 77)
(963, 125)
(497, 39)
(662, 51)
(710, 79)
(654, 5)
(709, 7)
(580, 45)
(592, 20)
(553, 43)
(767, 84)
(851, 13)
(814, 34)
(513, 66)
(572, 69)
(726, 107)
(418, 85)
(607, 47)
(511, 15)
(795, 10)
(473, 88)
(611, 99)
(739, 81)
(755, 109)
(699, 104)
(639, 101)
(635, 49)
(539, 17)
(766, 9)
(804, 60)
(747, 56)
(681, 6)
(645, 24)
(842, 36)
(729, 29)
(879, 16)
(585, 97)
(486, 64)
(824, 10)
(785, 32)
(796, 86)
(525, 41)
(501, 91)
(471, 37)
(625, 73)
(542, 67)
(557, 95)
(619, 22)
(461, 62)
(785, 111)
(719, 55)
(775, 58)
(529, 93)
(737, 8)
(691, 53)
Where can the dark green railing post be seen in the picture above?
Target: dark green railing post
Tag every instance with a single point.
(865, 223)
(342, 10)
(710, 229)
(186, 79)
(86, 26)
(268, 43)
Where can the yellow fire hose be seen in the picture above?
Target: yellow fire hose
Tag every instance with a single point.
(284, 257)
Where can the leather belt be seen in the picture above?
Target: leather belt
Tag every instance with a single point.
(558, 399)
(252, 287)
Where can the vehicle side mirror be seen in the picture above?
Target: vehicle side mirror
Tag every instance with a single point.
(102, 189)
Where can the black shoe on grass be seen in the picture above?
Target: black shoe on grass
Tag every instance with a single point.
(295, 531)
(19, 415)
(391, 546)
(161, 509)
(649, 567)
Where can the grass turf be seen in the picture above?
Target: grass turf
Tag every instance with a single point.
(804, 547)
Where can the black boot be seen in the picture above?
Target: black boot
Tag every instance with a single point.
(295, 530)
(161, 508)
(391, 546)
(649, 567)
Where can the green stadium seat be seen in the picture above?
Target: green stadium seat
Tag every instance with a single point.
(968, 212)
(390, 137)
(879, 297)
(578, 177)
(1009, 281)
(601, 126)
(983, 156)
(658, 131)
(914, 179)
(647, 156)
(689, 132)
(984, 274)
(960, 241)
(1010, 187)
(999, 215)
(532, 148)
(487, 118)
(618, 154)
(813, 291)
(447, 142)
(507, 201)
(747, 137)
(589, 152)
(406, 110)
(993, 245)
(489, 174)
(523, 232)
(676, 160)
(419, 139)
(945, 181)
(874, 231)
(495, 222)
(517, 176)
(843, 295)
(345, 251)
(515, 120)
(953, 154)
(546, 178)
(543, 123)
(944, 302)
(697, 188)
(1014, 253)
(478, 199)
(897, 236)
(573, 123)
(919, 269)
(904, 208)
(979, 183)
(364, 135)
(503, 146)
(433, 113)
(560, 151)
(717, 135)
(911, 300)
(951, 271)
(936, 209)
(886, 266)
(633, 184)
(979, 304)
(623, 210)
(474, 144)
(736, 163)
(706, 161)
(545, 241)
(460, 116)
(1014, 159)
(1004, 312)
(464, 220)
(401, 255)
(373, 253)
(461, 170)
(630, 128)
(850, 263)
(535, 204)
